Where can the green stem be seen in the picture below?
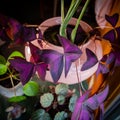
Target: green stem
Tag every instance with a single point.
(62, 11)
(13, 84)
(73, 7)
(73, 35)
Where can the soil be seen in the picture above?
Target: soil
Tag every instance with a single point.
(50, 35)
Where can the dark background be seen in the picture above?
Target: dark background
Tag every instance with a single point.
(36, 11)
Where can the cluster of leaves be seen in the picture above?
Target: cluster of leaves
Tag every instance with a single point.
(59, 99)
(46, 59)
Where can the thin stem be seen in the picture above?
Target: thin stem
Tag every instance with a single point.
(78, 21)
(62, 11)
(80, 91)
(72, 9)
(13, 85)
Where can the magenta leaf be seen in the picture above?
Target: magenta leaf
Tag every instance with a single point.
(112, 19)
(71, 52)
(85, 105)
(23, 67)
(78, 106)
(91, 60)
(85, 114)
(55, 61)
(97, 99)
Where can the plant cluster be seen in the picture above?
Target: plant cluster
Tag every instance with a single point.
(48, 59)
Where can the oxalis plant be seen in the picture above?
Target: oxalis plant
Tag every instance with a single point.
(80, 106)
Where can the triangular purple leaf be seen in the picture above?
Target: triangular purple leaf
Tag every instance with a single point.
(71, 52)
(112, 19)
(55, 61)
(110, 35)
(91, 60)
(41, 70)
(23, 67)
(34, 56)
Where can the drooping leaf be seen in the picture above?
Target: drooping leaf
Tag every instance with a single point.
(97, 99)
(85, 105)
(91, 60)
(55, 61)
(71, 52)
(112, 19)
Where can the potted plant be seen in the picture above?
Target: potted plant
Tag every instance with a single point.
(46, 60)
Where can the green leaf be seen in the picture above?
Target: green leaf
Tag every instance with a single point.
(31, 88)
(40, 115)
(16, 54)
(61, 116)
(72, 102)
(16, 98)
(2, 60)
(61, 99)
(3, 69)
(61, 89)
(46, 99)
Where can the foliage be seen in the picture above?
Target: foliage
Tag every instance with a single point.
(59, 102)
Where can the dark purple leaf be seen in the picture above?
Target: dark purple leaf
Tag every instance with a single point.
(110, 58)
(80, 35)
(102, 68)
(117, 58)
(71, 52)
(55, 61)
(112, 19)
(24, 68)
(110, 35)
(34, 53)
(91, 60)
(41, 70)
(103, 64)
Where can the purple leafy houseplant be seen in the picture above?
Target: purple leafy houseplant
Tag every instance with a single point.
(43, 60)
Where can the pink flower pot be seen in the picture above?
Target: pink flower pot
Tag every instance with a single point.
(72, 76)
